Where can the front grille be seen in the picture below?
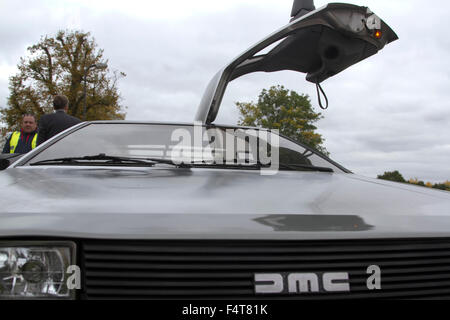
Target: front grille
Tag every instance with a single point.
(213, 269)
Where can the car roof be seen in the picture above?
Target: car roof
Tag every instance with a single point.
(173, 123)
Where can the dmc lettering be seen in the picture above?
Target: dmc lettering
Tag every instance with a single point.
(266, 283)
(298, 283)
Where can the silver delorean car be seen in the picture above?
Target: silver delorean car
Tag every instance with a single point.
(144, 210)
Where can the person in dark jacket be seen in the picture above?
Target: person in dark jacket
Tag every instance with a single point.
(24, 140)
(52, 124)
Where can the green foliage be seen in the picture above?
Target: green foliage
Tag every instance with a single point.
(392, 176)
(286, 110)
(397, 177)
(442, 186)
(56, 65)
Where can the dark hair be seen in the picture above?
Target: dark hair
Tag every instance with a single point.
(60, 102)
(29, 115)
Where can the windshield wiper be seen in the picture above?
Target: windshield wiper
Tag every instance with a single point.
(117, 160)
(220, 165)
(109, 160)
(297, 166)
(258, 165)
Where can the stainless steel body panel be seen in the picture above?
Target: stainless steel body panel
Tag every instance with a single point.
(165, 202)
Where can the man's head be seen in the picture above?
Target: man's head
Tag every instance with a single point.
(60, 102)
(29, 123)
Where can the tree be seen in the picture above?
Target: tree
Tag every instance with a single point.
(286, 110)
(442, 186)
(397, 177)
(56, 65)
(3, 138)
(392, 176)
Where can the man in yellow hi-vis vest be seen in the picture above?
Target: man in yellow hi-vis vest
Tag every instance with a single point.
(24, 140)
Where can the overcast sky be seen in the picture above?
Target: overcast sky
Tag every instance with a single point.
(389, 112)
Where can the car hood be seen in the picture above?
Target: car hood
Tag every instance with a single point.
(166, 202)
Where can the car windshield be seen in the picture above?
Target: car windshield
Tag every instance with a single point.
(180, 143)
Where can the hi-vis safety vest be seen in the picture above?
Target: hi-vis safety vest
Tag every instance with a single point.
(15, 141)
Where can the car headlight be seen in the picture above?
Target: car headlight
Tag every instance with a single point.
(31, 269)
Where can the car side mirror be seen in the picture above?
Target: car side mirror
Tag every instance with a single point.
(6, 159)
(4, 163)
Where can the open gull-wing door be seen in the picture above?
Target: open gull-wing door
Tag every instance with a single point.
(320, 43)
